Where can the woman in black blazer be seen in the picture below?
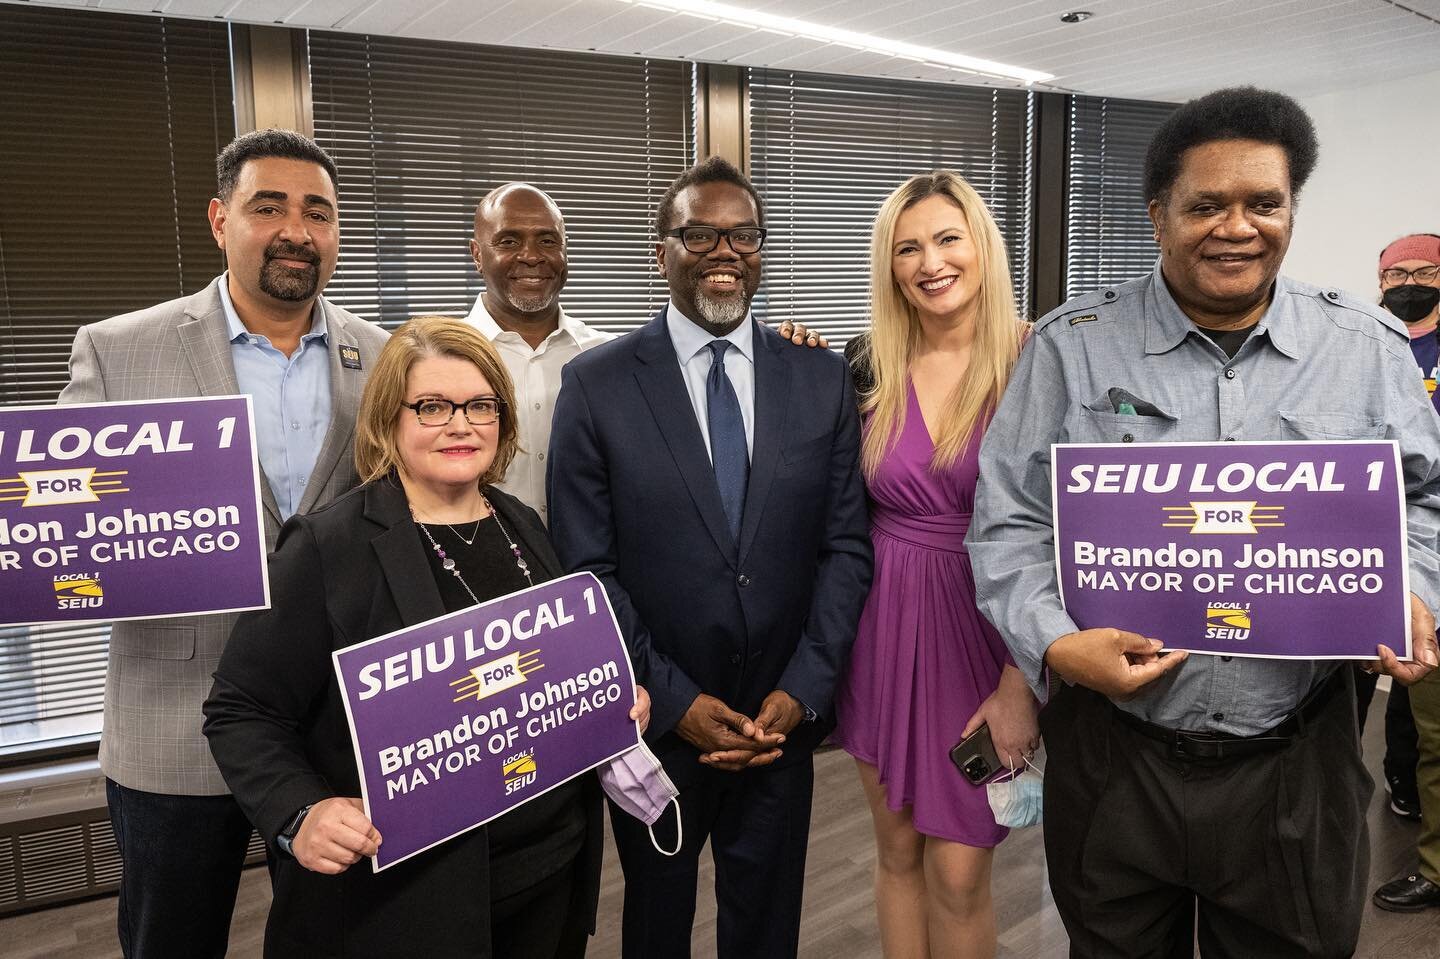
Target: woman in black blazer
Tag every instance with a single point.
(426, 534)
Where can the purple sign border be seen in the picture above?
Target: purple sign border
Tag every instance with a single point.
(255, 478)
(1394, 448)
(335, 655)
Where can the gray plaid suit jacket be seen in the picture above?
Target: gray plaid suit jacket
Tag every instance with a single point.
(159, 671)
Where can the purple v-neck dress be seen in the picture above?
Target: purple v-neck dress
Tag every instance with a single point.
(924, 657)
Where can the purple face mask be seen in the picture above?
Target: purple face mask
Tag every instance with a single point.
(636, 782)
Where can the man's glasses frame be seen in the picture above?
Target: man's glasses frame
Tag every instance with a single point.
(1424, 275)
(480, 411)
(703, 239)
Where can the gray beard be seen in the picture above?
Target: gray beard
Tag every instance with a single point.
(722, 315)
(534, 303)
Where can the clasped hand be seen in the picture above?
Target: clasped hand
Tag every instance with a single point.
(731, 741)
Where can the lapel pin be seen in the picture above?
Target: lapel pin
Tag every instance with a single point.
(350, 357)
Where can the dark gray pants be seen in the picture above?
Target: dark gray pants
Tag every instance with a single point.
(181, 858)
(1268, 853)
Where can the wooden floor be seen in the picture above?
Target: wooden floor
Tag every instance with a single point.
(839, 916)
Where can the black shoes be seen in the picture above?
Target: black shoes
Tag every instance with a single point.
(1404, 798)
(1410, 894)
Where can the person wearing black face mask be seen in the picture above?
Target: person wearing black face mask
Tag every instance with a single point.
(1410, 289)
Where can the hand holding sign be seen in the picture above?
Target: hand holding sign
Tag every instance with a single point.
(1422, 642)
(1113, 662)
(334, 836)
(640, 712)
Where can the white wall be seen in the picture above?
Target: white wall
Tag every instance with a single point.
(1378, 178)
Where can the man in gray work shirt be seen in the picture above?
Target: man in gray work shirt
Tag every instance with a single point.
(1231, 784)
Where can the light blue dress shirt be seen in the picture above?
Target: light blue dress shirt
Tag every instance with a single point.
(1321, 365)
(291, 397)
(690, 341)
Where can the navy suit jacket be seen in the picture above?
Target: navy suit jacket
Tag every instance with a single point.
(633, 499)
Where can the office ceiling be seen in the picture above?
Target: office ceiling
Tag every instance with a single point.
(1145, 49)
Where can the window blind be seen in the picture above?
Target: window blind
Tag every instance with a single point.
(109, 127)
(825, 151)
(423, 130)
(1109, 237)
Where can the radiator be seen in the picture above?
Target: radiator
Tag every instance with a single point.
(56, 845)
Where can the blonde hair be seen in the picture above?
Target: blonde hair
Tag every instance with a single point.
(895, 328)
(381, 405)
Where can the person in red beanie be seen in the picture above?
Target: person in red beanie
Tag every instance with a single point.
(1410, 289)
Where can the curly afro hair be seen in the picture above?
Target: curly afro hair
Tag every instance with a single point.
(1235, 113)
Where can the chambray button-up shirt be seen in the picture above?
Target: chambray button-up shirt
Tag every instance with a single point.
(1321, 365)
(291, 398)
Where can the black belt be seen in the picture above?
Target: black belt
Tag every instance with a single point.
(1191, 746)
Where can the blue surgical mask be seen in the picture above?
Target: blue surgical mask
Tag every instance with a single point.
(1018, 800)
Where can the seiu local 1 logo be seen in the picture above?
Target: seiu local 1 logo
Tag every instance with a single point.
(78, 591)
(1227, 621)
(519, 771)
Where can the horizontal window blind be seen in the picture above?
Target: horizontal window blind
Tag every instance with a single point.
(1109, 237)
(422, 131)
(825, 151)
(109, 127)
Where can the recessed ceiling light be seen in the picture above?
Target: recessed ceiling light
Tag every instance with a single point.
(1076, 16)
(708, 10)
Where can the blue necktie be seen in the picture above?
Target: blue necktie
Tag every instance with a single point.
(727, 437)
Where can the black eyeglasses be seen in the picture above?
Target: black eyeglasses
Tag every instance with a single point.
(702, 239)
(481, 411)
(1422, 274)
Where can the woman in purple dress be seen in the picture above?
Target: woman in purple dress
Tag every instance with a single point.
(927, 669)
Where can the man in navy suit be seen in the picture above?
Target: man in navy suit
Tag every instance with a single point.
(709, 476)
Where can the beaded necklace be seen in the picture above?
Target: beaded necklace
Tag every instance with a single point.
(449, 564)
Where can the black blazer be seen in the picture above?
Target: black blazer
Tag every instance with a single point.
(633, 499)
(276, 723)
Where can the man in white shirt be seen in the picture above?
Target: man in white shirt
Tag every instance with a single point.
(519, 247)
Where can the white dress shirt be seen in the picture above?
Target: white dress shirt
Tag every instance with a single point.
(537, 382)
(691, 348)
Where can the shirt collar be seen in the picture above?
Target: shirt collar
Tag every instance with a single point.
(481, 319)
(238, 332)
(690, 338)
(1167, 325)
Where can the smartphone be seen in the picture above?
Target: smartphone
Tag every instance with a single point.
(975, 757)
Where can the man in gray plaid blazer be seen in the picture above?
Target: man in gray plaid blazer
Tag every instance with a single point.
(261, 328)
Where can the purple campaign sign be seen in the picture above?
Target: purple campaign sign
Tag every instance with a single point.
(129, 511)
(460, 719)
(1283, 550)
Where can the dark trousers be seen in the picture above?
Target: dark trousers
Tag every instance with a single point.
(758, 824)
(181, 859)
(1268, 853)
(545, 921)
(1402, 742)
